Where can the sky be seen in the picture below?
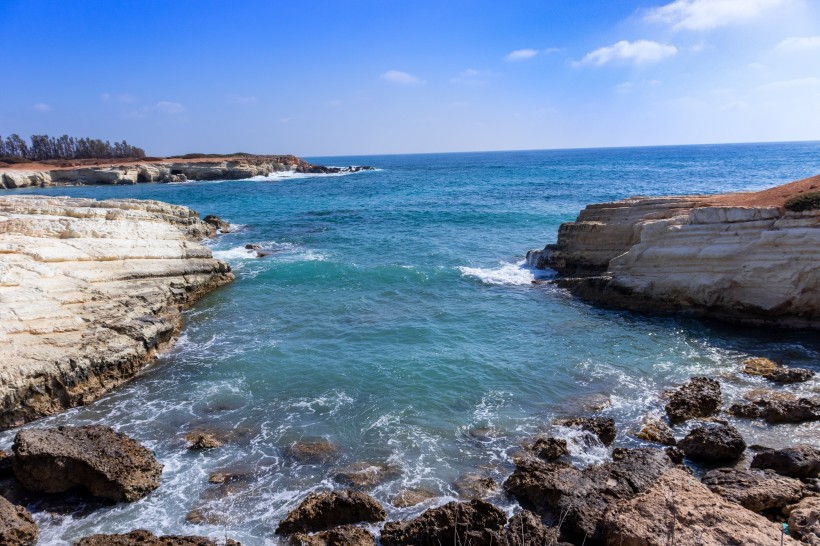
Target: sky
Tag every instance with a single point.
(356, 77)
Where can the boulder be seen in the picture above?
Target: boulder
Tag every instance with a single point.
(677, 509)
(602, 427)
(411, 497)
(202, 440)
(105, 463)
(217, 222)
(776, 407)
(526, 529)
(550, 449)
(477, 523)
(346, 535)
(657, 431)
(320, 451)
(475, 486)
(775, 372)
(578, 498)
(804, 521)
(713, 444)
(799, 461)
(700, 397)
(17, 527)
(141, 537)
(757, 490)
(362, 475)
(328, 509)
(759, 366)
(6, 464)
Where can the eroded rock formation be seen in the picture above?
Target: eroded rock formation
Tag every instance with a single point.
(91, 290)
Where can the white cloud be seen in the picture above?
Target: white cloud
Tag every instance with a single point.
(401, 78)
(551, 50)
(790, 84)
(168, 107)
(625, 87)
(637, 52)
(472, 76)
(709, 14)
(521, 54)
(799, 43)
(41, 107)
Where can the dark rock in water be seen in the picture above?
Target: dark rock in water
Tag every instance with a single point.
(790, 375)
(477, 523)
(800, 461)
(557, 491)
(347, 535)
(602, 427)
(199, 516)
(230, 476)
(6, 464)
(202, 440)
(319, 451)
(713, 444)
(322, 511)
(253, 247)
(526, 529)
(657, 431)
(700, 397)
(217, 222)
(362, 475)
(411, 497)
(550, 449)
(485, 434)
(475, 486)
(105, 463)
(756, 490)
(144, 538)
(776, 407)
(17, 527)
(804, 521)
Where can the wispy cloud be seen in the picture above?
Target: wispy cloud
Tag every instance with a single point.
(401, 78)
(639, 52)
(163, 107)
(709, 14)
(790, 84)
(41, 107)
(799, 43)
(472, 76)
(521, 54)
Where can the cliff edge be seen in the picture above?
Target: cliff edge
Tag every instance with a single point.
(89, 292)
(736, 257)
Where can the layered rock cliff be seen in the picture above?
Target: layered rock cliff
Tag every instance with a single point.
(89, 292)
(741, 257)
(235, 168)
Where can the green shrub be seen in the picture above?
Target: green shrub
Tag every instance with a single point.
(806, 201)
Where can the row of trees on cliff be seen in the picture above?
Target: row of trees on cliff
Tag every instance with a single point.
(65, 147)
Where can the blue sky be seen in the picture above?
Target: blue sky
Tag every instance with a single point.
(365, 77)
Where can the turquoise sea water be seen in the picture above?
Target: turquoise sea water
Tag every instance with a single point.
(396, 321)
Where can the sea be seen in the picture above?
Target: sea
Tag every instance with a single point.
(394, 317)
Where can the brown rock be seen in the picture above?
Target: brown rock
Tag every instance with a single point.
(477, 523)
(347, 535)
(656, 431)
(700, 397)
(105, 463)
(202, 440)
(799, 461)
(759, 366)
(602, 427)
(17, 527)
(804, 521)
(320, 451)
(322, 511)
(757, 490)
(144, 538)
(6, 464)
(713, 444)
(363, 475)
(411, 497)
(550, 449)
(677, 509)
(217, 222)
(475, 486)
(526, 529)
(775, 372)
(776, 407)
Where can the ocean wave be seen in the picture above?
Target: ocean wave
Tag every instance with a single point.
(510, 274)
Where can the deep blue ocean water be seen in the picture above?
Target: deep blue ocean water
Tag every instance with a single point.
(396, 321)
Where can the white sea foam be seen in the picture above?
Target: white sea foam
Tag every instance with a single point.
(511, 274)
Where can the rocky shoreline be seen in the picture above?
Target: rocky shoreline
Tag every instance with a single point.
(91, 291)
(737, 257)
(163, 170)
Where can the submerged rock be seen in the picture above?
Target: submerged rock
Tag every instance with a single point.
(713, 444)
(103, 462)
(362, 475)
(202, 440)
(678, 509)
(141, 537)
(756, 490)
(578, 498)
(700, 397)
(799, 461)
(17, 527)
(475, 486)
(322, 511)
(319, 451)
(602, 427)
(411, 497)
(804, 521)
(346, 535)
(477, 523)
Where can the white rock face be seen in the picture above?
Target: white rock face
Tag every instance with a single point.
(754, 264)
(89, 292)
